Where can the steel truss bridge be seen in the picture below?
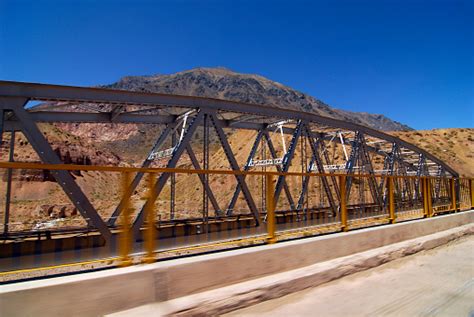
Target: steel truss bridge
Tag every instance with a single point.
(283, 141)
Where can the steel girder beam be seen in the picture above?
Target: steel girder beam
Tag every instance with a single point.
(205, 163)
(351, 162)
(54, 116)
(101, 117)
(116, 111)
(79, 94)
(172, 181)
(126, 117)
(138, 177)
(420, 169)
(359, 153)
(389, 165)
(319, 143)
(80, 117)
(287, 159)
(439, 174)
(319, 164)
(261, 134)
(304, 185)
(273, 153)
(304, 188)
(402, 170)
(235, 167)
(207, 188)
(161, 182)
(48, 156)
(372, 150)
(8, 195)
(367, 162)
(333, 178)
(254, 148)
(357, 156)
(2, 125)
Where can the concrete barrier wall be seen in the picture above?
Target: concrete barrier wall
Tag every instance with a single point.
(119, 289)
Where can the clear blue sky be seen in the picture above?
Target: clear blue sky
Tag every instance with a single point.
(410, 60)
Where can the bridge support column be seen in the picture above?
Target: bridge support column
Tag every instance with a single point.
(391, 200)
(471, 190)
(452, 185)
(125, 243)
(271, 220)
(342, 206)
(150, 235)
(427, 203)
(47, 155)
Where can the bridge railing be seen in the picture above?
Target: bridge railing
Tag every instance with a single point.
(42, 229)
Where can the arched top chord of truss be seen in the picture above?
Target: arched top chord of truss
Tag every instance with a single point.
(232, 114)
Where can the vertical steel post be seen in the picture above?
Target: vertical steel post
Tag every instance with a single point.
(172, 182)
(150, 235)
(247, 166)
(125, 238)
(287, 158)
(273, 154)
(196, 166)
(453, 194)
(161, 182)
(391, 199)
(429, 198)
(8, 194)
(271, 225)
(205, 163)
(422, 182)
(138, 177)
(235, 167)
(471, 190)
(2, 113)
(343, 207)
(47, 155)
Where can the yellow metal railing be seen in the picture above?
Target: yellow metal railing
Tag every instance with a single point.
(394, 209)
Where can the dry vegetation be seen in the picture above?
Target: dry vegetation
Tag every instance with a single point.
(453, 146)
(34, 193)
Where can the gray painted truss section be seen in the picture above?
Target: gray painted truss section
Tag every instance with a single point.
(45, 92)
(207, 112)
(48, 156)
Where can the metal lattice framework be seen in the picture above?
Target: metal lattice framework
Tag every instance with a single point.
(284, 140)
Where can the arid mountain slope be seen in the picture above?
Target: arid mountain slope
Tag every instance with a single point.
(222, 83)
(453, 146)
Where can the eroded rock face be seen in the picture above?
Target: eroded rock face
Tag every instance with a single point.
(55, 211)
(85, 155)
(69, 149)
(104, 132)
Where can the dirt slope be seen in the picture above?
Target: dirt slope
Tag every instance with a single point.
(453, 146)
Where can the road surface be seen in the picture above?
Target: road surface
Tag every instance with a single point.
(438, 282)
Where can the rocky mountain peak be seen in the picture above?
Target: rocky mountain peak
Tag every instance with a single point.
(223, 83)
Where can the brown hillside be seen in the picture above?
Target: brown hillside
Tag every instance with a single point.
(453, 146)
(37, 199)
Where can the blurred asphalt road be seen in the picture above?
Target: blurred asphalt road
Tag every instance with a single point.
(439, 282)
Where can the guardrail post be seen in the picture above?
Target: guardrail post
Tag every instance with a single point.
(150, 234)
(271, 226)
(471, 190)
(343, 207)
(452, 185)
(125, 239)
(391, 200)
(429, 199)
(425, 196)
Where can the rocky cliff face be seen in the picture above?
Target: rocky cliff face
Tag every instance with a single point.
(225, 84)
